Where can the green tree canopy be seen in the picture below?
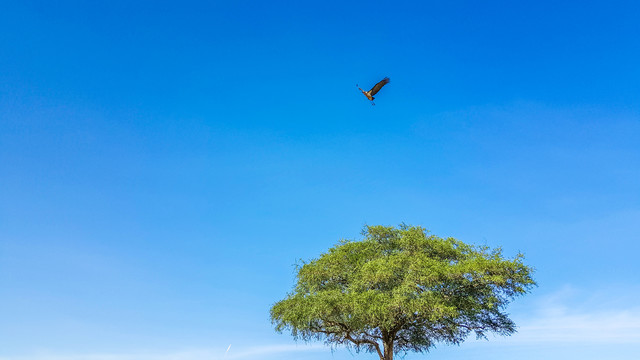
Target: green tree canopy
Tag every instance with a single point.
(402, 289)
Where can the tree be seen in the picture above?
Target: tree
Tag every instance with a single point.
(402, 289)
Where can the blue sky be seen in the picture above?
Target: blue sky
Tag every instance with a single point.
(164, 164)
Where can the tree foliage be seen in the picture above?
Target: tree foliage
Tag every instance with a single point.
(402, 289)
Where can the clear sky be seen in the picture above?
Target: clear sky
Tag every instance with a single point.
(164, 164)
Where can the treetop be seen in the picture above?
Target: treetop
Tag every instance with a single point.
(404, 285)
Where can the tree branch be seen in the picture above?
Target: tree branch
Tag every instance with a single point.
(357, 341)
(367, 341)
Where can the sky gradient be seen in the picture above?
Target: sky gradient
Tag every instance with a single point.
(164, 164)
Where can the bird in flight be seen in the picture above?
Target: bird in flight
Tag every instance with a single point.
(374, 90)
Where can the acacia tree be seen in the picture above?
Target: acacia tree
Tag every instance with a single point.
(402, 289)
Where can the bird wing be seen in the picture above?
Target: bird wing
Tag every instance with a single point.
(379, 86)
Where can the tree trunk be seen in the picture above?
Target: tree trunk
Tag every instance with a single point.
(388, 350)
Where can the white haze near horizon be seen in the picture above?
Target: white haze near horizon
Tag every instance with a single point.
(559, 329)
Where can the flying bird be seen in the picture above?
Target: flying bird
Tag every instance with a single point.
(374, 90)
